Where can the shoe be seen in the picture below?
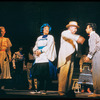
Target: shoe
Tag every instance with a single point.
(82, 91)
(38, 92)
(43, 92)
(88, 90)
(32, 92)
(29, 88)
(8, 78)
(35, 92)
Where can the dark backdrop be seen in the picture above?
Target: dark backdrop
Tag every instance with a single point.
(22, 19)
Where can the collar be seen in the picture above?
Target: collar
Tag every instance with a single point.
(92, 33)
(44, 36)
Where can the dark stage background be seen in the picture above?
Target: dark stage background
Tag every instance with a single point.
(22, 20)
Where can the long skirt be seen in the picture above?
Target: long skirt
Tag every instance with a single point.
(4, 66)
(86, 76)
(40, 71)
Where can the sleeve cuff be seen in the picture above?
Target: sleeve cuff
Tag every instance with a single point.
(89, 56)
(77, 37)
(41, 51)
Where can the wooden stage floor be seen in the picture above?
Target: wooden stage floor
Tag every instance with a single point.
(11, 93)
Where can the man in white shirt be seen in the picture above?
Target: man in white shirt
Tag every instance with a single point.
(66, 54)
(94, 54)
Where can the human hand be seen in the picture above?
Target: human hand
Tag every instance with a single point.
(38, 52)
(86, 59)
(10, 59)
(91, 69)
(81, 40)
(81, 70)
(14, 67)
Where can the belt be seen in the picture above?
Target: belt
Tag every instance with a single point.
(3, 50)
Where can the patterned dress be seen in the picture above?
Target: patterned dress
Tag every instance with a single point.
(85, 76)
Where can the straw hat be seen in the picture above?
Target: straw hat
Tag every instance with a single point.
(72, 23)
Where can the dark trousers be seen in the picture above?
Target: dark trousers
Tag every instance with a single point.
(18, 76)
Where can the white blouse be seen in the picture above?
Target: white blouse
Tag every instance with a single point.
(47, 45)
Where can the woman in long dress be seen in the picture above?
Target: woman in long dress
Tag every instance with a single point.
(5, 55)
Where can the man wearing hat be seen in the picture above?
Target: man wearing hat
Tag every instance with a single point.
(68, 46)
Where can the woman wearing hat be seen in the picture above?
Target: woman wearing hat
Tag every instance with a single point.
(45, 53)
(68, 46)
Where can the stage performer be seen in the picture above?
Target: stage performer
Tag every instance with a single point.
(5, 55)
(18, 63)
(68, 46)
(45, 53)
(94, 54)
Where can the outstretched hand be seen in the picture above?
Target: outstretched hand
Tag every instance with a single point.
(81, 40)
